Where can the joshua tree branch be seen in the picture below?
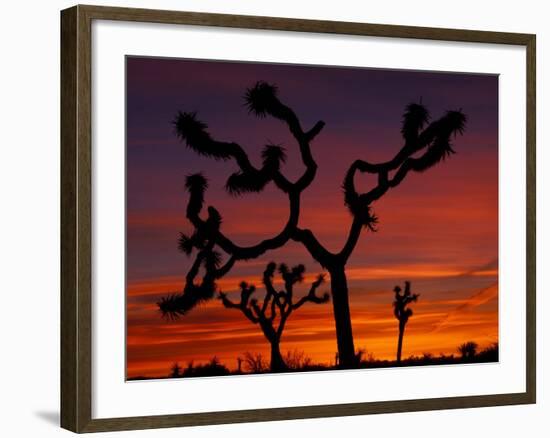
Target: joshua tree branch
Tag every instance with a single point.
(267, 278)
(193, 272)
(250, 315)
(254, 251)
(311, 166)
(265, 303)
(244, 304)
(351, 241)
(311, 296)
(435, 139)
(274, 242)
(282, 323)
(195, 134)
(261, 99)
(257, 310)
(313, 132)
(274, 305)
(227, 302)
(219, 273)
(207, 235)
(318, 251)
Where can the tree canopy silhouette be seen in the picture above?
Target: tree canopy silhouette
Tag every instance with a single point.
(468, 350)
(276, 306)
(425, 145)
(402, 312)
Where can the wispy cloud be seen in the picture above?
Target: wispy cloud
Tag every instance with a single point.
(479, 298)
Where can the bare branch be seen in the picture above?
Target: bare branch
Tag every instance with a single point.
(318, 251)
(311, 296)
(251, 252)
(245, 302)
(227, 302)
(267, 280)
(261, 100)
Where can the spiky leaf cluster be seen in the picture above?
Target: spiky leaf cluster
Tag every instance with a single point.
(252, 181)
(273, 156)
(196, 137)
(176, 305)
(292, 275)
(186, 243)
(261, 99)
(453, 122)
(352, 201)
(414, 119)
(196, 184)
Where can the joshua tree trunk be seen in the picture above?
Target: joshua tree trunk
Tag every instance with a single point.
(342, 317)
(400, 342)
(402, 312)
(277, 362)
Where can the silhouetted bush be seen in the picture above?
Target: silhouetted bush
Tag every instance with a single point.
(468, 350)
(176, 370)
(212, 368)
(296, 360)
(489, 354)
(255, 363)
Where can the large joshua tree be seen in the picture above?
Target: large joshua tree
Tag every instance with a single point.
(402, 312)
(425, 145)
(276, 306)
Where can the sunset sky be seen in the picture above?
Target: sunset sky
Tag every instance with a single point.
(438, 229)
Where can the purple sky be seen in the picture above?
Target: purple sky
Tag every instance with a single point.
(436, 228)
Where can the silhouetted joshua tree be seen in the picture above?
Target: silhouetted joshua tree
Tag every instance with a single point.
(402, 312)
(276, 306)
(425, 145)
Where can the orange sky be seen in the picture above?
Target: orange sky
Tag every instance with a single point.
(438, 229)
(438, 325)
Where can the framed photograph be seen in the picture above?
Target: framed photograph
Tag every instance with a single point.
(268, 218)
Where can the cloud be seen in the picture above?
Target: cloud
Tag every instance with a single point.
(486, 269)
(481, 297)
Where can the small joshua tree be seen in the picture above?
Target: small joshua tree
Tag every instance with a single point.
(402, 312)
(425, 144)
(275, 308)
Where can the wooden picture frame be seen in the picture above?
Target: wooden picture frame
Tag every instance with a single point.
(76, 236)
